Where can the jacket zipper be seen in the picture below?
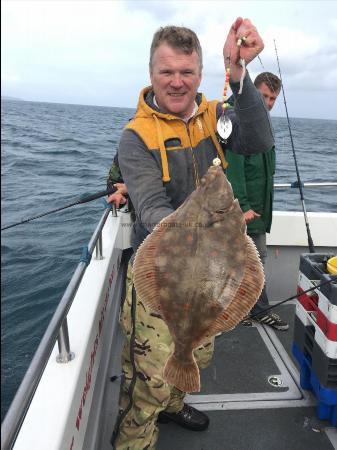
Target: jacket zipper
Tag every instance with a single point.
(195, 165)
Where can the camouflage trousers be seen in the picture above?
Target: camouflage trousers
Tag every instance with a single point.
(145, 394)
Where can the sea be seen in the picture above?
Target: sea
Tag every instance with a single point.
(51, 155)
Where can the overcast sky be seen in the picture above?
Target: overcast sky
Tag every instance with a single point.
(96, 52)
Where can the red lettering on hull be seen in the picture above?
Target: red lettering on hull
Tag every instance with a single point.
(88, 375)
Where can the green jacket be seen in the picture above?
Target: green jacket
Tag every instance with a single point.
(252, 182)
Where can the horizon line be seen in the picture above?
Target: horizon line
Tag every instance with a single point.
(12, 98)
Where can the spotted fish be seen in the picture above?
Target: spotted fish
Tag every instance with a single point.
(200, 271)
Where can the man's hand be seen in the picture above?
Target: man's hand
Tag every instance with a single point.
(121, 188)
(250, 215)
(251, 46)
(118, 197)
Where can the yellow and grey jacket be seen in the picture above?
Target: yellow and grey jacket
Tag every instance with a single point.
(162, 158)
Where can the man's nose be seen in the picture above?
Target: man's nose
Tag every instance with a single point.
(270, 104)
(177, 81)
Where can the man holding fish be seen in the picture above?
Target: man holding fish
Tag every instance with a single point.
(164, 154)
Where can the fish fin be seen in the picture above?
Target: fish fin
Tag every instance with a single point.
(144, 271)
(185, 377)
(250, 287)
(247, 294)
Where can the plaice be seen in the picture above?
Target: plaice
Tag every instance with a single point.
(200, 271)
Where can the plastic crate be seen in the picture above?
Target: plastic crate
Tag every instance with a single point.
(328, 309)
(325, 368)
(313, 267)
(308, 318)
(324, 312)
(329, 328)
(326, 398)
(329, 290)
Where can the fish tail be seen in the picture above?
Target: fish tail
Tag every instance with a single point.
(185, 376)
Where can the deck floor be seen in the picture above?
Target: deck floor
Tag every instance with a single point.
(247, 412)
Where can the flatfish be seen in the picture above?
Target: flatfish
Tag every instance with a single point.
(200, 271)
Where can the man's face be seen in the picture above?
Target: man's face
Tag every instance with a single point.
(175, 78)
(268, 95)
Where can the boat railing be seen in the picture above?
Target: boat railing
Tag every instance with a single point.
(295, 184)
(56, 330)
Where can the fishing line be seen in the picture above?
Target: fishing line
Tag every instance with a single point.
(86, 199)
(310, 241)
(333, 278)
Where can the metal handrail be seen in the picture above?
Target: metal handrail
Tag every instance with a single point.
(20, 404)
(306, 184)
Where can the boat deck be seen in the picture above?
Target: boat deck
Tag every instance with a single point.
(246, 410)
(251, 390)
(252, 394)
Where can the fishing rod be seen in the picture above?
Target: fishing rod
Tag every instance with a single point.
(310, 241)
(331, 280)
(85, 199)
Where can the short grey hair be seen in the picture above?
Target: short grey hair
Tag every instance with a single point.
(180, 38)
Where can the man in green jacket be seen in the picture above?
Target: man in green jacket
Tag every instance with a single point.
(252, 181)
